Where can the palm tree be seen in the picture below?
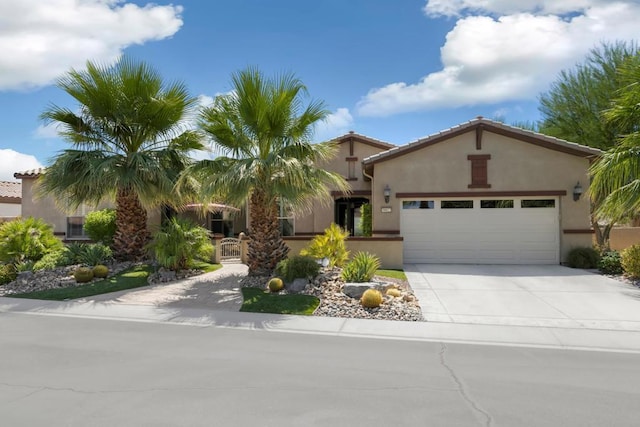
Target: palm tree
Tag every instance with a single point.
(128, 141)
(262, 131)
(616, 175)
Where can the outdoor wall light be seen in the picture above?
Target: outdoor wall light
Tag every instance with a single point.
(577, 191)
(387, 193)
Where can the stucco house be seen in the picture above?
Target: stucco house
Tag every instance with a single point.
(481, 192)
(10, 200)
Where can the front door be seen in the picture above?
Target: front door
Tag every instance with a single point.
(347, 213)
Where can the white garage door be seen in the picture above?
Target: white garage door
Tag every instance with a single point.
(481, 230)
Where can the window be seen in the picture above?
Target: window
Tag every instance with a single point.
(456, 204)
(496, 204)
(545, 203)
(75, 227)
(221, 224)
(287, 221)
(418, 204)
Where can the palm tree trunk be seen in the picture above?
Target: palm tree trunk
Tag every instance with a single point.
(131, 227)
(266, 247)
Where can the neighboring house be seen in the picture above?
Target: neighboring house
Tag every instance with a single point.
(481, 193)
(10, 200)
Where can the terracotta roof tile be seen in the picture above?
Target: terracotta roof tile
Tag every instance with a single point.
(10, 190)
(31, 173)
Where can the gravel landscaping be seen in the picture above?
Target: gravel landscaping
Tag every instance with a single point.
(328, 286)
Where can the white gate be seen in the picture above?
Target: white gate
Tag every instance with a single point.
(230, 250)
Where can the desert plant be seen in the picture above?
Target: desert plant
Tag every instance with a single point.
(83, 274)
(179, 243)
(73, 252)
(366, 223)
(51, 261)
(583, 258)
(7, 273)
(630, 260)
(329, 245)
(100, 225)
(361, 268)
(100, 271)
(26, 239)
(611, 263)
(95, 254)
(297, 267)
(24, 265)
(371, 298)
(275, 284)
(394, 292)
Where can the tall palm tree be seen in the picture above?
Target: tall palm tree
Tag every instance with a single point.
(263, 132)
(128, 141)
(616, 175)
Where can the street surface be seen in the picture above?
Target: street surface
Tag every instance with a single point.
(72, 371)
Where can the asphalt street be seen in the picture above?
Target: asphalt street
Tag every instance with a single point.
(71, 371)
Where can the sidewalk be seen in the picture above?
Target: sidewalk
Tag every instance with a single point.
(185, 311)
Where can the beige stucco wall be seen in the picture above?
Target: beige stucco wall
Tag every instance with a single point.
(46, 209)
(514, 166)
(389, 250)
(322, 214)
(623, 237)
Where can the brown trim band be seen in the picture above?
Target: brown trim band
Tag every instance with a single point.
(352, 193)
(385, 232)
(351, 159)
(10, 200)
(352, 238)
(479, 157)
(485, 194)
(59, 233)
(310, 233)
(351, 179)
(578, 231)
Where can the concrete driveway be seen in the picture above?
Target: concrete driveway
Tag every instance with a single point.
(524, 295)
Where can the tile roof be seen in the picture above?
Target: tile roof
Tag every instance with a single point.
(364, 138)
(10, 192)
(490, 125)
(31, 173)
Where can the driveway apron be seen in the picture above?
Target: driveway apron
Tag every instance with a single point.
(524, 295)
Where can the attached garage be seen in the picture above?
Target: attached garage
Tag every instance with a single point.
(484, 230)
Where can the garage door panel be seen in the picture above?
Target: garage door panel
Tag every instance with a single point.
(508, 235)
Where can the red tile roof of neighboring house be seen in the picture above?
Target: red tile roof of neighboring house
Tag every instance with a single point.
(31, 173)
(10, 192)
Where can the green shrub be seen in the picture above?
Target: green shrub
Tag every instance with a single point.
(100, 225)
(83, 274)
(51, 261)
(26, 239)
(94, 254)
(275, 284)
(630, 260)
(7, 273)
(329, 245)
(366, 220)
(298, 267)
(361, 268)
(371, 298)
(179, 243)
(74, 251)
(583, 258)
(611, 263)
(100, 271)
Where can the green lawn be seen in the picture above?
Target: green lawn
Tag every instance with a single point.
(259, 301)
(206, 267)
(394, 274)
(132, 278)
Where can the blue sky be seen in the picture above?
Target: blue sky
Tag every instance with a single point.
(395, 70)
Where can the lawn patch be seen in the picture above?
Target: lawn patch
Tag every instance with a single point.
(206, 267)
(134, 277)
(257, 300)
(394, 274)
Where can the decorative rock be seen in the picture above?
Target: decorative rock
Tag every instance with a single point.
(355, 290)
(298, 285)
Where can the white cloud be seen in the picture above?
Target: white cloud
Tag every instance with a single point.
(335, 124)
(41, 40)
(489, 60)
(507, 7)
(12, 161)
(48, 131)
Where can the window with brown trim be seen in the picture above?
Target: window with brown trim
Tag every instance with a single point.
(456, 204)
(479, 171)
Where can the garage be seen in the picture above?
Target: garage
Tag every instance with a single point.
(481, 230)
